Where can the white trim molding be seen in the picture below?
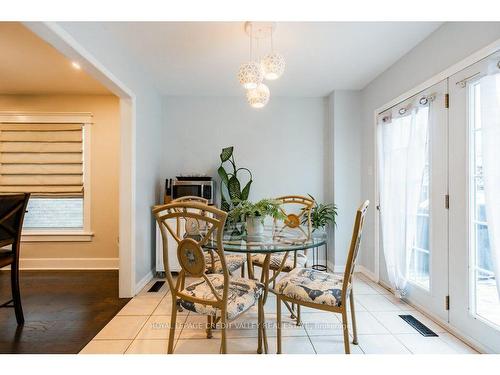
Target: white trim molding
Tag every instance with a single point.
(335, 268)
(13, 117)
(365, 271)
(143, 282)
(64, 42)
(67, 264)
(56, 236)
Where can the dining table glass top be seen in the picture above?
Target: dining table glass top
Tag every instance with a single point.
(272, 240)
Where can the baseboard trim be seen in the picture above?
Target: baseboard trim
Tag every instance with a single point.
(68, 264)
(365, 271)
(142, 283)
(335, 268)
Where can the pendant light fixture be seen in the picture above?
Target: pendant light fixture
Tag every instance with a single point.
(270, 67)
(250, 74)
(259, 96)
(273, 64)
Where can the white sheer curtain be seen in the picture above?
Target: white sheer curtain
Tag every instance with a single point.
(490, 123)
(402, 157)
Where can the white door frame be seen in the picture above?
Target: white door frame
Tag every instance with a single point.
(55, 35)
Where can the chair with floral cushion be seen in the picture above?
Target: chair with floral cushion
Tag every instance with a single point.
(323, 290)
(298, 221)
(297, 210)
(233, 261)
(220, 296)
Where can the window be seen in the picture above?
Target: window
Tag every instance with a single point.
(48, 156)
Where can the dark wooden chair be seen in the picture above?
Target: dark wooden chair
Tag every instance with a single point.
(12, 209)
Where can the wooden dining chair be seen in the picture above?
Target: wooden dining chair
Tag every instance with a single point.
(12, 209)
(297, 210)
(214, 265)
(298, 221)
(323, 290)
(219, 296)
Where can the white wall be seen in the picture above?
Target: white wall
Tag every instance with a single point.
(346, 143)
(282, 144)
(94, 37)
(292, 146)
(449, 44)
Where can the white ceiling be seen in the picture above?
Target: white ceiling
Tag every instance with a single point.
(202, 58)
(28, 65)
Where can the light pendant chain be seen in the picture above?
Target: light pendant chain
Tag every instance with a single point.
(251, 43)
(272, 42)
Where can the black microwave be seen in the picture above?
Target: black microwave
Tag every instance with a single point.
(197, 188)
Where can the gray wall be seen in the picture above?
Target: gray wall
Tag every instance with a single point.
(448, 45)
(282, 143)
(346, 147)
(292, 146)
(94, 37)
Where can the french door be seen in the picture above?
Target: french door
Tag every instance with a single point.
(427, 269)
(447, 255)
(474, 214)
(413, 159)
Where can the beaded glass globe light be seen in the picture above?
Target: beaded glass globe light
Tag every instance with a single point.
(258, 97)
(250, 75)
(273, 66)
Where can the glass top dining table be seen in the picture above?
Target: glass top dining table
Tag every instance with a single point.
(272, 240)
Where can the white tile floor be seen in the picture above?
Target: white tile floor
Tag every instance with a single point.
(142, 327)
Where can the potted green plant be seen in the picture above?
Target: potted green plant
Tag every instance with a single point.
(322, 215)
(254, 214)
(230, 188)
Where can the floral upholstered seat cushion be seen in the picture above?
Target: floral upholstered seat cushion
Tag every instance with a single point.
(233, 262)
(276, 259)
(309, 285)
(243, 294)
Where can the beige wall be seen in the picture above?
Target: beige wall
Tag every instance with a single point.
(105, 154)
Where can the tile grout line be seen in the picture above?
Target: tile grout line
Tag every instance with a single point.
(309, 338)
(416, 332)
(392, 334)
(140, 329)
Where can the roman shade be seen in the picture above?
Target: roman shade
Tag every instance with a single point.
(44, 159)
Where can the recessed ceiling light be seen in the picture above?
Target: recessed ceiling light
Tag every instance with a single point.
(75, 65)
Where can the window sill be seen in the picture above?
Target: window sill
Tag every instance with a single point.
(66, 236)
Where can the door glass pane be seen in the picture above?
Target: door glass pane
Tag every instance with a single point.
(418, 268)
(484, 295)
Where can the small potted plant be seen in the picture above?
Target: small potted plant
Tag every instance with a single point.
(254, 214)
(322, 215)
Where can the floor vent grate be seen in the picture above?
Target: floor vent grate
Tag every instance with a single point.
(156, 287)
(418, 325)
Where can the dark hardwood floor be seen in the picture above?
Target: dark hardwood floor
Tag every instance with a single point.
(63, 310)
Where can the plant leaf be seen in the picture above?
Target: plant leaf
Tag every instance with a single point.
(224, 194)
(226, 153)
(224, 205)
(246, 191)
(223, 175)
(234, 187)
